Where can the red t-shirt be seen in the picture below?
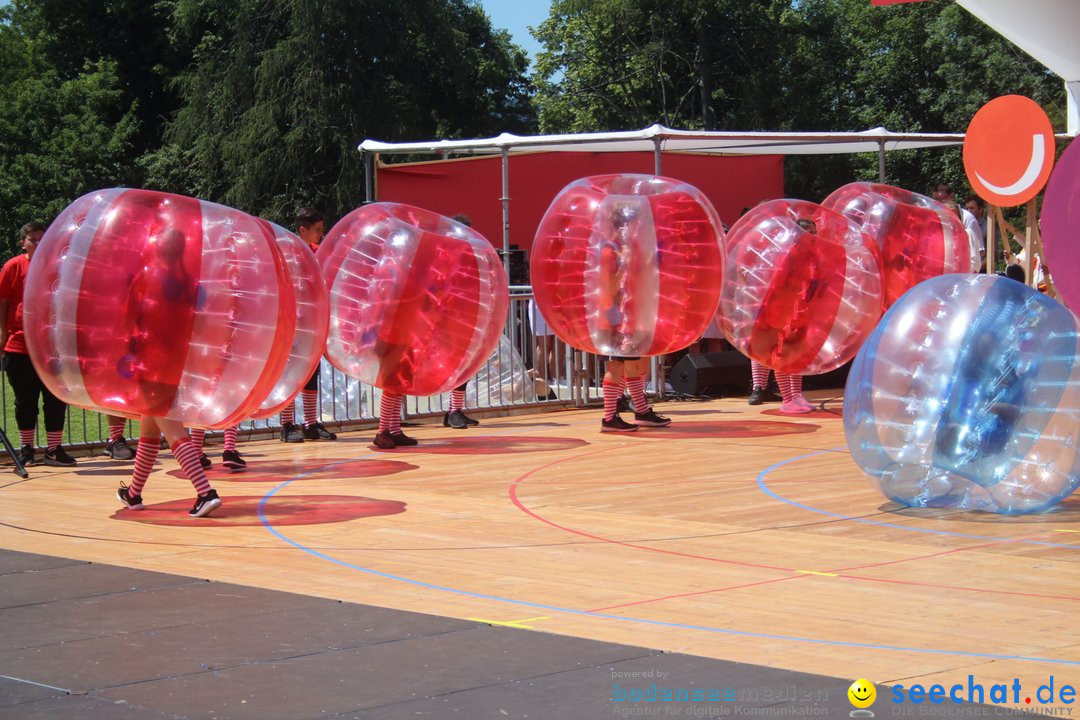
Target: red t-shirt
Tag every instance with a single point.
(12, 282)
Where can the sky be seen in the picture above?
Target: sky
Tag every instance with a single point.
(517, 16)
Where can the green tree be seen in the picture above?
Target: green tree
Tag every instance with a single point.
(60, 137)
(131, 34)
(925, 67)
(811, 65)
(280, 92)
(619, 64)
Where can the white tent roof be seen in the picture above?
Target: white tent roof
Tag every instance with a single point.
(1047, 30)
(668, 140)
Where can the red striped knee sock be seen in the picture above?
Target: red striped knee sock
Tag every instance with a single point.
(784, 381)
(116, 430)
(230, 438)
(187, 455)
(288, 414)
(759, 374)
(26, 437)
(390, 413)
(457, 400)
(612, 393)
(198, 438)
(311, 406)
(53, 438)
(145, 455)
(636, 386)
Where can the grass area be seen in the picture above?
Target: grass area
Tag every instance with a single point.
(82, 426)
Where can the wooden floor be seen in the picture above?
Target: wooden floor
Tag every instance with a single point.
(736, 533)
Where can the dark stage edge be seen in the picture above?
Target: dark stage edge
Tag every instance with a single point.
(85, 640)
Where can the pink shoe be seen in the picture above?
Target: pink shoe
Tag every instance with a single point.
(804, 402)
(794, 407)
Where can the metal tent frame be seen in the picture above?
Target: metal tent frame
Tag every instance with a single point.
(656, 139)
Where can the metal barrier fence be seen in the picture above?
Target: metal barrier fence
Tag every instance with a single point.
(527, 370)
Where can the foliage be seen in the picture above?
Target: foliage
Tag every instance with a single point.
(60, 135)
(619, 64)
(258, 104)
(813, 65)
(77, 103)
(280, 92)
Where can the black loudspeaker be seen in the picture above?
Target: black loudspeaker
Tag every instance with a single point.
(711, 374)
(519, 267)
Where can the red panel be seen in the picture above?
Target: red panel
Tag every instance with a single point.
(473, 186)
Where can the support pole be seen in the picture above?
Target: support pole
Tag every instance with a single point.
(371, 163)
(881, 162)
(1029, 244)
(656, 365)
(506, 209)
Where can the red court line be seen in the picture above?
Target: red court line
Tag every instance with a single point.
(512, 490)
(931, 555)
(516, 501)
(692, 594)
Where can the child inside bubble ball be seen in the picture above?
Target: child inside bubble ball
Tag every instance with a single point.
(621, 372)
(161, 304)
(789, 320)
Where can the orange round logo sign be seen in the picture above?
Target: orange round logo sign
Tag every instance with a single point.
(1009, 150)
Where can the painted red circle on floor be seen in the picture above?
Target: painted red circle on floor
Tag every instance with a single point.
(281, 510)
(279, 471)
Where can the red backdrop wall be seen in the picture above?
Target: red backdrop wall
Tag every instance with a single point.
(473, 186)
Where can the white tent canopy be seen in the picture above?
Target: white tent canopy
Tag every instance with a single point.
(1047, 30)
(658, 138)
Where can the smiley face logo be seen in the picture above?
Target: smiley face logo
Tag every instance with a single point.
(862, 693)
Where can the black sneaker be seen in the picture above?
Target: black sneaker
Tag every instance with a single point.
(651, 419)
(291, 433)
(232, 460)
(402, 440)
(384, 441)
(205, 462)
(132, 502)
(119, 449)
(205, 504)
(468, 419)
(58, 458)
(456, 420)
(26, 455)
(316, 431)
(623, 404)
(617, 424)
(757, 396)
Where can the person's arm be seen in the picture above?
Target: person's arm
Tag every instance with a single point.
(1007, 230)
(7, 279)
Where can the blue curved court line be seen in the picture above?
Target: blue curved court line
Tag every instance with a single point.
(604, 616)
(907, 528)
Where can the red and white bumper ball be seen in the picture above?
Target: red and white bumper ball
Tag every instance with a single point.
(802, 289)
(147, 303)
(919, 237)
(628, 265)
(312, 320)
(417, 300)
